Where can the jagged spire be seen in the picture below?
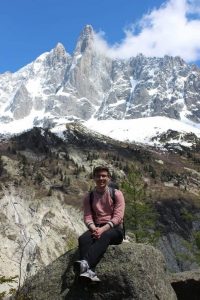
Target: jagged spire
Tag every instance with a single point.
(59, 47)
(58, 54)
(87, 31)
(85, 40)
(59, 50)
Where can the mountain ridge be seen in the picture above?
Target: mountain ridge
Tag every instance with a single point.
(58, 87)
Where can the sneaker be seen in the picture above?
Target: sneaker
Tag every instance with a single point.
(89, 274)
(80, 266)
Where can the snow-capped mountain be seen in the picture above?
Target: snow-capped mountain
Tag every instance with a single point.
(88, 84)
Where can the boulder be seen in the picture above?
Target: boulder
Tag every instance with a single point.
(127, 271)
(186, 284)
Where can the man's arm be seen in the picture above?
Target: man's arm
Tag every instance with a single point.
(119, 208)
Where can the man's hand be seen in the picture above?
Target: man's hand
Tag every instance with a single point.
(99, 230)
(92, 228)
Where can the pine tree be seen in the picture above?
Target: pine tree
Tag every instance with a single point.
(1, 166)
(140, 216)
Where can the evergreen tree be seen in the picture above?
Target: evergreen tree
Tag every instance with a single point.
(68, 181)
(39, 178)
(140, 216)
(1, 166)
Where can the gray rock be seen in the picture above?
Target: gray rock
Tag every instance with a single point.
(128, 271)
(178, 221)
(186, 284)
(22, 103)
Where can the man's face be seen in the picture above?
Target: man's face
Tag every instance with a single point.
(101, 179)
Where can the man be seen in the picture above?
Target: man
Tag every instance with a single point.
(104, 218)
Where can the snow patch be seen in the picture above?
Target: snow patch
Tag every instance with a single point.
(140, 130)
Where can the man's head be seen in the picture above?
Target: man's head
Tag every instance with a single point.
(101, 175)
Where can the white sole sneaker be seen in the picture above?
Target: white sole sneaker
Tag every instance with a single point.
(90, 276)
(80, 266)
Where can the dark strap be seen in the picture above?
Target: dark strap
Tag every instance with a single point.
(112, 194)
(91, 197)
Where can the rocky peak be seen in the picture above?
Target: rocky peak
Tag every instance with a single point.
(173, 61)
(58, 56)
(59, 48)
(85, 40)
(59, 51)
(87, 31)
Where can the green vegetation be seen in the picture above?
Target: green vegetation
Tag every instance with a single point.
(1, 166)
(151, 170)
(72, 240)
(167, 175)
(39, 178)
(197, 239)
(92, 156)
(192, 247)
(187, 215)
(140, 215)
(3, 280)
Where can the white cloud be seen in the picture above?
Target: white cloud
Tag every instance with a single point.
(173, 29)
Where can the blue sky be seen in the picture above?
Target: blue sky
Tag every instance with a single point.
(29, 28)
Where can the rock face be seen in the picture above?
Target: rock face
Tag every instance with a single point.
(89, 83)
(39, 230)
(128, 271)
(179, 222)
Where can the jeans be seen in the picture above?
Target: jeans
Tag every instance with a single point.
(92, 250)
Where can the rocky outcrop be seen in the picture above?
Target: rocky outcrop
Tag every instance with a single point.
(186, 284)
(128, 271)
(179, 222)
(33, 231)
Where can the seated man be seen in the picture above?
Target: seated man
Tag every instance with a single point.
(103, 215)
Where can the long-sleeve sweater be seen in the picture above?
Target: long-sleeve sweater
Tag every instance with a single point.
(103, 209)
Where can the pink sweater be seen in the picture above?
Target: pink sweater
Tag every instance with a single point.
(103, 208)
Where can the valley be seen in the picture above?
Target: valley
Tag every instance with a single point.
(43, 180)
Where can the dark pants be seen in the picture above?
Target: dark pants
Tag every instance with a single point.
(93, 250)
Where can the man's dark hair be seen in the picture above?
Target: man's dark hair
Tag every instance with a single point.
(99, 169)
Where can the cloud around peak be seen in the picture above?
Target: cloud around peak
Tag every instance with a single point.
(173, 29)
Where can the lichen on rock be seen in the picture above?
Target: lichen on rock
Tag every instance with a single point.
(127, 271)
